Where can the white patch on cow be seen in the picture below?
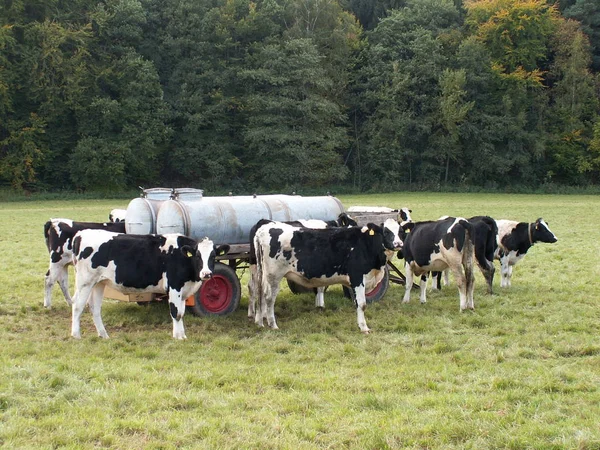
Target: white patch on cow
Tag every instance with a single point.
(393, 226)
(545, 225)
(315, 224)
(205, 248)
(117, 215)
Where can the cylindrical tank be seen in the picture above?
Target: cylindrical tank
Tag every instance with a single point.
(142, 211)
(228, 220)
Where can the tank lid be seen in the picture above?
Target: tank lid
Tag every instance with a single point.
(187, 194)
(157, 193)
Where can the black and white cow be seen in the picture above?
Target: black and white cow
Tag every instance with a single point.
(514, 241)
(391, 242)
(117, 215)
(316, 258)
(59, 234)
(170, 264)
(485, 239)
(438, 245)
(343, 220)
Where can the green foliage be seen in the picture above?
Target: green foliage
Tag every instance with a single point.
(516, 32)
(270, 94)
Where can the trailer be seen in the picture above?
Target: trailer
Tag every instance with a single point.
(228, 220)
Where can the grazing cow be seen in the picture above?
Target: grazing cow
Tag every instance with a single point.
(435, 246)
(485, 240)
(170, 264)
(515, 239)
(117, 215)
(59, 234)
(315, 258)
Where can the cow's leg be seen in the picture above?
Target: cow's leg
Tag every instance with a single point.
(82, 294)
(469, 274)
(461, 282)
(320, 298)
(361, 305)
(408, 273)
(95, 305)
(488, 274)
(504, 270)
(177, 309)
(269, 304)
(57, 273)
(436, 280)
(446, 277)
(252, 293)
(509, 275)
(423, 289)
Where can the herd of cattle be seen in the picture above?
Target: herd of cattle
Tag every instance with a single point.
(313, 254)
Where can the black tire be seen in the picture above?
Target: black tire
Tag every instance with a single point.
(298, 288)
(220, 295)
(375, 294)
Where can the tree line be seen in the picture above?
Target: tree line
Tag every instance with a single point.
(272, 94)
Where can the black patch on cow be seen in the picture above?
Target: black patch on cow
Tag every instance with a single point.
(274, 244)
(86, 253)
(341, 251)
(173, 310)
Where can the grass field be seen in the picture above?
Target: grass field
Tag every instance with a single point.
(521, 371)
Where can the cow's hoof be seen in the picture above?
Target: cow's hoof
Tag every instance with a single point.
(367, 331)
(405, 301)
(76, 336)
(103, 335)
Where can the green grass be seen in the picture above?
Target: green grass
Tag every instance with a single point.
(521, 371)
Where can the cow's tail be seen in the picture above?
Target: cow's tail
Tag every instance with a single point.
(47, 227)
(468, 250)
(258, 285)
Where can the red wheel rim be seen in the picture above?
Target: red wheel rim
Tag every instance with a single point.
(375, 290)
(215, 294)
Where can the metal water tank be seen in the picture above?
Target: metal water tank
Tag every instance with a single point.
(142, 211)
(228, 220)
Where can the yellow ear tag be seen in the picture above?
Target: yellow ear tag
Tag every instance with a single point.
(408, 230)
(371, 233)
(189, 254)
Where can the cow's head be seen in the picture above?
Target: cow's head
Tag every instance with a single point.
(404, 215)
(392, 239)
(203, 256)
(541, 232)
(344, 220)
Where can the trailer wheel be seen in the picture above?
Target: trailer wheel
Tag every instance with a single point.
(220, 295)
(377, 293)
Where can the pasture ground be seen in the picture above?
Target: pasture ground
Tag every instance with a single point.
(521, 371)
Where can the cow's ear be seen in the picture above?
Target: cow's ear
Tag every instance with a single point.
(188, 251)
(408, 227)
(344, 220)
(222, 249)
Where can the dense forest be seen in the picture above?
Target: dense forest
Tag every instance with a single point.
(276, 94)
